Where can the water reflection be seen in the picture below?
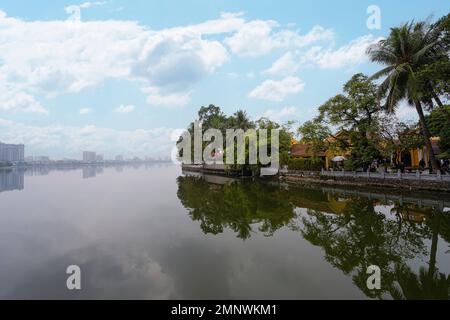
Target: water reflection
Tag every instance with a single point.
(401, 234)
(91, 171)
(145, 232)
(14, 178)
(11, 180)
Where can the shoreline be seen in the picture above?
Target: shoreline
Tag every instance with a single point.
(359, 185)
(375, 183)
(315, 178)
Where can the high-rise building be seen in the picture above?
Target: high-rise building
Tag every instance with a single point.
(89, 156)
(12, 152)
(99, 157)
(119, 158)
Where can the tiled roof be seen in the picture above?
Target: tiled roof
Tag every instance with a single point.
(304, 150)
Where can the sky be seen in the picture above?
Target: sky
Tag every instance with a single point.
(123, 77)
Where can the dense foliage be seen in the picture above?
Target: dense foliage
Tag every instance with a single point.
(212, 117)
(307, 164)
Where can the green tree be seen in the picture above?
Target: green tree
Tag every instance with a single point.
(399, 137)
(315, 133)
(212, 117)
(434, 77)
(240, 120)
(355, 112)
(408, 48)
(437, 121)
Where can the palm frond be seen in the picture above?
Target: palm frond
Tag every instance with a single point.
(382, 72)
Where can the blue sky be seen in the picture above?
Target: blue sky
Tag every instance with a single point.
(118, 77)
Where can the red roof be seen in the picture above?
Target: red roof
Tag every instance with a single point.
(304, 150)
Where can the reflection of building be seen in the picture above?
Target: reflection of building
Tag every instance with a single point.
(89, 156)
(11, 180)
(328, 204)
(12, 152)
(89, 172)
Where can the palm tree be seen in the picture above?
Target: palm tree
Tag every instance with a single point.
(407, 49)
(240, 120)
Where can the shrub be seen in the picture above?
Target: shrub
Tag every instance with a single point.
(306, 164)
(284, 158)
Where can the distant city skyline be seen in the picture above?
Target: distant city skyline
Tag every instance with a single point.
(61, 94)
(17, 153)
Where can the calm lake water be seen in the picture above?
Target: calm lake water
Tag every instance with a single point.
(151, 232)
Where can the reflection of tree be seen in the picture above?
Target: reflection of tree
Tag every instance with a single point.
(235, 205)
(361, 236)
(352, 231)
(426, 285)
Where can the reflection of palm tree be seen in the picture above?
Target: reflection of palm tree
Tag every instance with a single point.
(429, 284)
(356, 237)
(426, 285)
(362, 236)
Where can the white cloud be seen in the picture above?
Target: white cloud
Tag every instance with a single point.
(258, 37)
(228, 23)
(125, 108)
(287, 113)
(347, 55)
(254, 38)
(285, 65)
(156, 98)
(84, 111)
(51, 58)
(14, 100)
(277, 90)
(58, 141)
(406, 113)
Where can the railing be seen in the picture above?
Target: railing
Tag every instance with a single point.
(389, 176)
(417, 176)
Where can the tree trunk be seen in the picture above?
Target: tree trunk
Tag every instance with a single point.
(426, 134)
(434, 244)
(437, 99)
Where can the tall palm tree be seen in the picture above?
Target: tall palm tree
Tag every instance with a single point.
(240, 120)
(407, 49)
